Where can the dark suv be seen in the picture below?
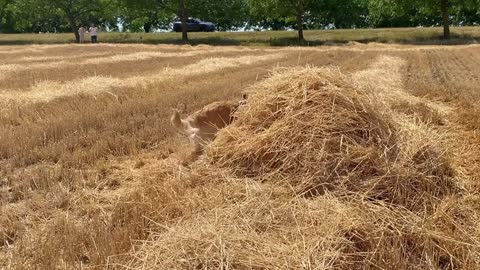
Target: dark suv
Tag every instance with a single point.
(194, 25)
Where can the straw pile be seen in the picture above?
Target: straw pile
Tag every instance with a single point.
(313, 130)
(314, 173)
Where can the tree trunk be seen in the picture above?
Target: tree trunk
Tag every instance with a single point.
(147, 27)
(300, 25)
(74, 28)
(183, 15)
(75, 32)
(445, 5)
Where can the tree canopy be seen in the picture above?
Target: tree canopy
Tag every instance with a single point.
(18, 16)
(55, 16)
(284, 12)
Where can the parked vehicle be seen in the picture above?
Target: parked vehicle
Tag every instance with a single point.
(194, 25)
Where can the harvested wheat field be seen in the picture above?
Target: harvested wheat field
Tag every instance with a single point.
(345, 157)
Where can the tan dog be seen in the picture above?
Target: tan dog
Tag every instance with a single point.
(202, 126)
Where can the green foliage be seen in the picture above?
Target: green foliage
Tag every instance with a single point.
(143, 15)
(389, 13)
(226, 14)
(7, 22)
(146, 15)
(279, 14)
(344, 13)
(286, 11)
(58, 15)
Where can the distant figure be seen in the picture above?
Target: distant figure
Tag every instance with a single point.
(93, 33)
(81, 33)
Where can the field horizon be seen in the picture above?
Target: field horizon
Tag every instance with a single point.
(356, 156)
(414, 36)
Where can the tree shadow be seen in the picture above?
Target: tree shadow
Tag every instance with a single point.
(284, 42)
(213, 41)
(455, 39)
(431, 39)
(26, 42)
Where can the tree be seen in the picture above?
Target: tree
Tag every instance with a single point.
(344, 13)
(149, 10)
(182, 7)
(445, 8)
(390, 13)
(227, 14)
(70, 13)
(409, 11)
(7, 20)
(287, 10)
(205, 9)
(145, 13)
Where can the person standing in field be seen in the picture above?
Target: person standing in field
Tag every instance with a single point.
(81, 33)
(93, 33)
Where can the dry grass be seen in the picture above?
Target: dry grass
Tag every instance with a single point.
(346, 144)
(420, 110)
(383, 201)
(47, 91)
(365, 165)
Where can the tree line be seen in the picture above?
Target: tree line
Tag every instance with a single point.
(21, 16)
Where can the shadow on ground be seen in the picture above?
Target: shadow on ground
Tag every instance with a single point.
(455, 39)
